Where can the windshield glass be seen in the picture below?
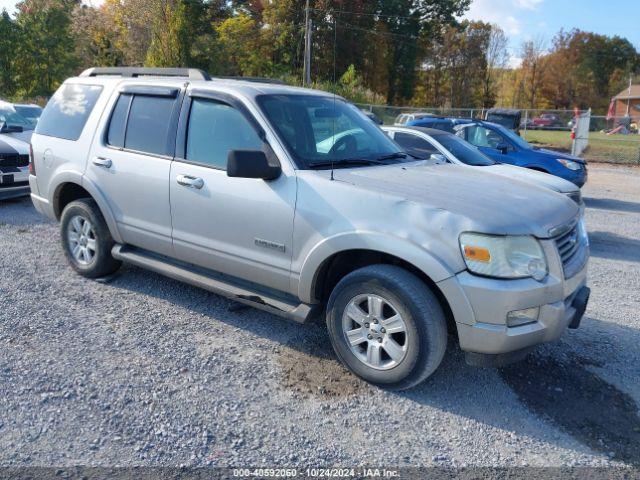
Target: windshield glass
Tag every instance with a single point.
(28, 112)
(463, 151)
(318, 129)
(10, 117)
(513, 137)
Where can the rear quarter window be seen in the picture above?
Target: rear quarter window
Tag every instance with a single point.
(68, 110)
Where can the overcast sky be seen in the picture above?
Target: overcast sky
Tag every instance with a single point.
(529, 19)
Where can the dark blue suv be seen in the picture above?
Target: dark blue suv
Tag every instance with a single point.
(504, 146)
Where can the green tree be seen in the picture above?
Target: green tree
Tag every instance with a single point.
(8, 40)
(169, 40)
(45, 50)
(242, 46)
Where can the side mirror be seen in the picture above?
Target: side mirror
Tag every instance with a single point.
(438, 157)
(251, 164)
(503, 148)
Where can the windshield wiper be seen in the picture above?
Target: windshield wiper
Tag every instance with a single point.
(393, 156)
(346, 162)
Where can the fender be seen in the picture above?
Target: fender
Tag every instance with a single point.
(405, 249)
(74, 177)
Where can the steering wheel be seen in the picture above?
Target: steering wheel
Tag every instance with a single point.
(346, 146)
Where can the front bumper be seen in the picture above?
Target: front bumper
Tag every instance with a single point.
(14, 183)
(480, 306)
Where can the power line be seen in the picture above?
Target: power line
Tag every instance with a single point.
(378, 15)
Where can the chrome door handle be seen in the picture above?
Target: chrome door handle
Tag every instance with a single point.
(191, 182)
(102, 162)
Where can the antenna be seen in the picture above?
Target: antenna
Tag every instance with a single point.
(335, 83)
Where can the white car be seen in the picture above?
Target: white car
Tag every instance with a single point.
(446, 147)
(14, 153)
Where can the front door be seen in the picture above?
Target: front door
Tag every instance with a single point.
(238, 226)
(489, 141)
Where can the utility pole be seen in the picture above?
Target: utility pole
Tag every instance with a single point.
(629, 94)
(307, 46)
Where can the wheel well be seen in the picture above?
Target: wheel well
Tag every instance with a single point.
(67, 193)
(341, 264)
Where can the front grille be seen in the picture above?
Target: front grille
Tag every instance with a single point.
(14, 160)
(573, 251)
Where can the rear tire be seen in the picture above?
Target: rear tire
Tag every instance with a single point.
(86, 239)
(387, 326)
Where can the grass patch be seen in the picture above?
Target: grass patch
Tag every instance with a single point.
(602, 147)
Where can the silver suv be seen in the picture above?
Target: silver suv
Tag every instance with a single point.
(294, 202)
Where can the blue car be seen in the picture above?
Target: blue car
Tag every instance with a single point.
(439, 123)
(504, 146)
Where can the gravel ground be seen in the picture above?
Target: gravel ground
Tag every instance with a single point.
(142, 370)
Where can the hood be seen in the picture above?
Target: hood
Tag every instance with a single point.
(541, 179)
(24, 136)
(554, 154)
(481, 201)
(9, 145)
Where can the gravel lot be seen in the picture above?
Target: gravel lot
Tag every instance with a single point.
(142, 370)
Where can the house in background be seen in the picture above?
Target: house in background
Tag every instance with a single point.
(627, 102)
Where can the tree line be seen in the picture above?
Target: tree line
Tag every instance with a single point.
(398, 52)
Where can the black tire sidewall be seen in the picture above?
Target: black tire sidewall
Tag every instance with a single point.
(103, 263)
(422, 344)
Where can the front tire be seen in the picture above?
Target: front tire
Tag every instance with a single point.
(387, 326)
(86, 239)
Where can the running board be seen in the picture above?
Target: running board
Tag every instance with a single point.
(217, 283)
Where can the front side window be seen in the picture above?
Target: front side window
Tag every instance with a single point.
(68, 110)
(214, 130)
(483, 137)
(415, 145)
(318, 129)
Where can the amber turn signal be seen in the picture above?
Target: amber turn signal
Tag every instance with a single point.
(477, 254)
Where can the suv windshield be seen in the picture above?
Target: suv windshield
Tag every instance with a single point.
(463, 151)
(318, 129)
(10, 117)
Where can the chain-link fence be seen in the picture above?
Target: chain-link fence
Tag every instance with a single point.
(613, 140)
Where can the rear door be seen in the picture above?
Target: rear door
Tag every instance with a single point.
(415, 145)
(131, 163)
(239, 226)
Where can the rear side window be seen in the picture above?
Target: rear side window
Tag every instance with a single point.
(141, 123)
(118, 124)
(214, 130)
(68, 110)
(415, 145)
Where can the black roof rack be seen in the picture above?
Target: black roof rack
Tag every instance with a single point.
(192, 73)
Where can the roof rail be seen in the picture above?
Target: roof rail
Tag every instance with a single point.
(254, 79)
(192, 73)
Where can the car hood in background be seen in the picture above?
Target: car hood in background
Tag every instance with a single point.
(481, 201)
(542, 179)
(10, 145)
(554, 154)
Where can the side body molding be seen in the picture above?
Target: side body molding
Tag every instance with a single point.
(363, 240)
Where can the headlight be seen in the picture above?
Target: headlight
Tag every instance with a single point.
(504, 256)
(570, 164)
(582, 232)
